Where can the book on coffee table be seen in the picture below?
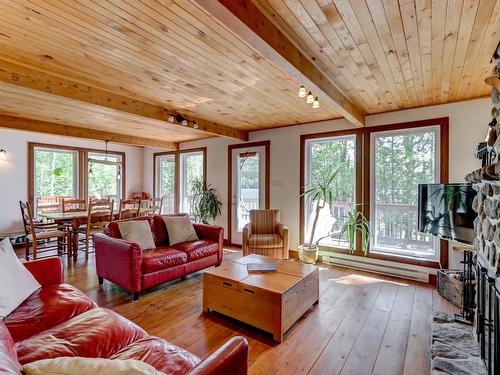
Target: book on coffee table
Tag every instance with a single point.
(261, 267)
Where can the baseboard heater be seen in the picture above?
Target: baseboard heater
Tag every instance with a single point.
(411, 272)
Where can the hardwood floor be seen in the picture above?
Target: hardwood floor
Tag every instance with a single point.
(364, 323)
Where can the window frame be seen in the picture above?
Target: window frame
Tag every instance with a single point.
(177, 157)
(109, 153)
(307, 173)
(363, 177)
(82, 167)
(437, 131)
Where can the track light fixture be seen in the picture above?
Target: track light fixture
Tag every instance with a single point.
(3, 154)
(316, 103)
(310, 98)
(302, 92)
(170, 118)
(195, 125)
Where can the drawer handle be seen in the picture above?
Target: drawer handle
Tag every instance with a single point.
(226, 283)
(249, 291)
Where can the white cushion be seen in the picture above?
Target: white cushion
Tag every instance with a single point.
(16, 282)
(137, 231)
(180, 229)
(89, 366)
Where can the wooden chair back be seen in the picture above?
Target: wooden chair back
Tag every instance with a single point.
(48, 204)
(28, 221)
(129, 208)
(73, 205)
(158, 205)
(147, 207)
(100, 212)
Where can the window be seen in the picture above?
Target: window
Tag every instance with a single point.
(401, 160)
(322, 156)
(59, 172)
(166, 182)
(191, 170)
(175, 173)
(381, 168)
(104, 176)
(56, 175)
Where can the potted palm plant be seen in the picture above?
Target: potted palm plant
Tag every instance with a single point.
(320, 193)
(206, 203)
(357, 222)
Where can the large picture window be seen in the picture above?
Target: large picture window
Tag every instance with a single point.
(380, 170)
(402, 159)
(58, 172)
(322, 156)
(174, 177)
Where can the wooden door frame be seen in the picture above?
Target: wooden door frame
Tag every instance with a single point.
(177, 174)
(267, 189)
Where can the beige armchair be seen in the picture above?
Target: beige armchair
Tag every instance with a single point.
(265, 235)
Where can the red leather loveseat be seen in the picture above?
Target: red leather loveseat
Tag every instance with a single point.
(59, 320)
(127, 265)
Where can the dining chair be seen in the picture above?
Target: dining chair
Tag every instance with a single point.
(147, 207)
(73, 205)
(99, 214)
(158, 205)
(129, 208)
(40, 235)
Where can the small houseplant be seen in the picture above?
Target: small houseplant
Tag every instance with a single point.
(357, 222)
(320, 192)
(206, 203)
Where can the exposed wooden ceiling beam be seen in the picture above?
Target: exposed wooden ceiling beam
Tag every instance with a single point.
(41, 81)
(19, 123)
(247, 21)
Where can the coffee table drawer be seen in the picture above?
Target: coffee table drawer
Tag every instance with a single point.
(220, 281)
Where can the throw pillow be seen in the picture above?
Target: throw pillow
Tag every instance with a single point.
(137, 231)
(89, 366)
(16, 282)
(180, 229)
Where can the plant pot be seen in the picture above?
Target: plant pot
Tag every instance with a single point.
(308, 255)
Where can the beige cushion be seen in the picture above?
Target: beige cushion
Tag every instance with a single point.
(137, 231)
(180, 229)
(89, 366)
(265, 241)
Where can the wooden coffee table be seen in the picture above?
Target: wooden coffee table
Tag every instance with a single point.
(272, 301)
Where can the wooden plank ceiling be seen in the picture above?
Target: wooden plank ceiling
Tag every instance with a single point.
(167, 53)
(120, 66)
(389, 54)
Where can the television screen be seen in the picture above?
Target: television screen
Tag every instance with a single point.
(445, 210)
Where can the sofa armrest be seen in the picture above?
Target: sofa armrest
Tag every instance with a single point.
(230, 359)
(283, 231)
(212, 233)
(119, 261)
(46, 271)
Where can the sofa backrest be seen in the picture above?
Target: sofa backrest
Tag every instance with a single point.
(8, 356)
(158, 228)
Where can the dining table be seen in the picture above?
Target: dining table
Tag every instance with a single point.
(76, 219)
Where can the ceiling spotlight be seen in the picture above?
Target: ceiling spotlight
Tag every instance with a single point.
(171, 118)
(195, 125)
(316, 103)
(302, 92)
(3, 154)
(184, 122)
(310, 98)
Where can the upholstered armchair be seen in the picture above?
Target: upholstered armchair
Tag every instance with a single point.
(265, 235)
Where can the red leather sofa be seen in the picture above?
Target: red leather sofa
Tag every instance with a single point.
(59, 320)
(127, 265)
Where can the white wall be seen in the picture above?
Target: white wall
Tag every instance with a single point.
(14, 170)
(468, 125)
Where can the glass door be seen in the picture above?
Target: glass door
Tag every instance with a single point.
(248, 187)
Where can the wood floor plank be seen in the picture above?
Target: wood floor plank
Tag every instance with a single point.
(391, 356)
(418, 359)
(364, 323)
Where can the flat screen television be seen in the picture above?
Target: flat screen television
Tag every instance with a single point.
(445, 211)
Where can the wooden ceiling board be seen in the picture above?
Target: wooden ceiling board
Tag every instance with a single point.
(404, 54)
(159, 53)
